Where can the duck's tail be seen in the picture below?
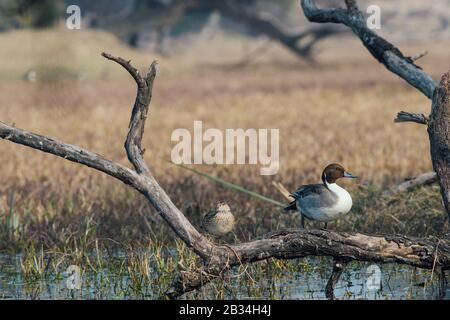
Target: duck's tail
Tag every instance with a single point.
(291, 207)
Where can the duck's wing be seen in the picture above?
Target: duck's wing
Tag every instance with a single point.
(309, 190)
(302, 192)
(207, 218)
(209, 215)
(314, 196)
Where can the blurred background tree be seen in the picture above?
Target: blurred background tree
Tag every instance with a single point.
(30, 13)
(140, 22)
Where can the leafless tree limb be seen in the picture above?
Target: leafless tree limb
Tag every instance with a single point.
(418, 56)
(404, 116)
(344, 247)
(69, 152)
(140, 178)
(421, 180)
(386, 53)
(139, 113)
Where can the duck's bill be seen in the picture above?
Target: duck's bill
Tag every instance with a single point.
(349, 175)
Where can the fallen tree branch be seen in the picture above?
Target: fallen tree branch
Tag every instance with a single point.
(139, 113)
(418, 56)
(421, 180)
(290, 244)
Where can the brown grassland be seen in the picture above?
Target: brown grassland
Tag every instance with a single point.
(339, 109)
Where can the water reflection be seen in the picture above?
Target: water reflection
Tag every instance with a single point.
(359, 281)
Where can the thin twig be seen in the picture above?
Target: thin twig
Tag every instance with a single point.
(404, 116)
(283, 190)
(418, 56)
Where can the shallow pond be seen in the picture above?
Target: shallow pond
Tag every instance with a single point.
(359, 281)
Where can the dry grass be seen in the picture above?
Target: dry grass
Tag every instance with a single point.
(338, 110)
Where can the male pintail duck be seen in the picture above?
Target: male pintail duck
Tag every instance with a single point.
(219, 221)
(323, 202)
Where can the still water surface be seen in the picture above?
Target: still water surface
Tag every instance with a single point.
(359, 281)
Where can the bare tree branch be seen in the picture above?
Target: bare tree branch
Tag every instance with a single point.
(418, 56)
(67, 151)
(385, 52)
(420, 180)
(127, 66)
(404, 116)
(141, 179)
(139, 113)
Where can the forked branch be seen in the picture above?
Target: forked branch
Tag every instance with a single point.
(139, 114)
(140, 178)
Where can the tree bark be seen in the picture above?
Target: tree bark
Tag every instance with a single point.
(439, 134)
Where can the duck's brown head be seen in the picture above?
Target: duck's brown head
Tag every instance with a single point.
(335, 171)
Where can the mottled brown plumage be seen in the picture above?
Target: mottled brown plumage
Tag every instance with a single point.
(219, 221)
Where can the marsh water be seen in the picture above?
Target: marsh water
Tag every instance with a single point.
(359, 281)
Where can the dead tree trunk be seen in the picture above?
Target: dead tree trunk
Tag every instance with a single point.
(439, 133)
